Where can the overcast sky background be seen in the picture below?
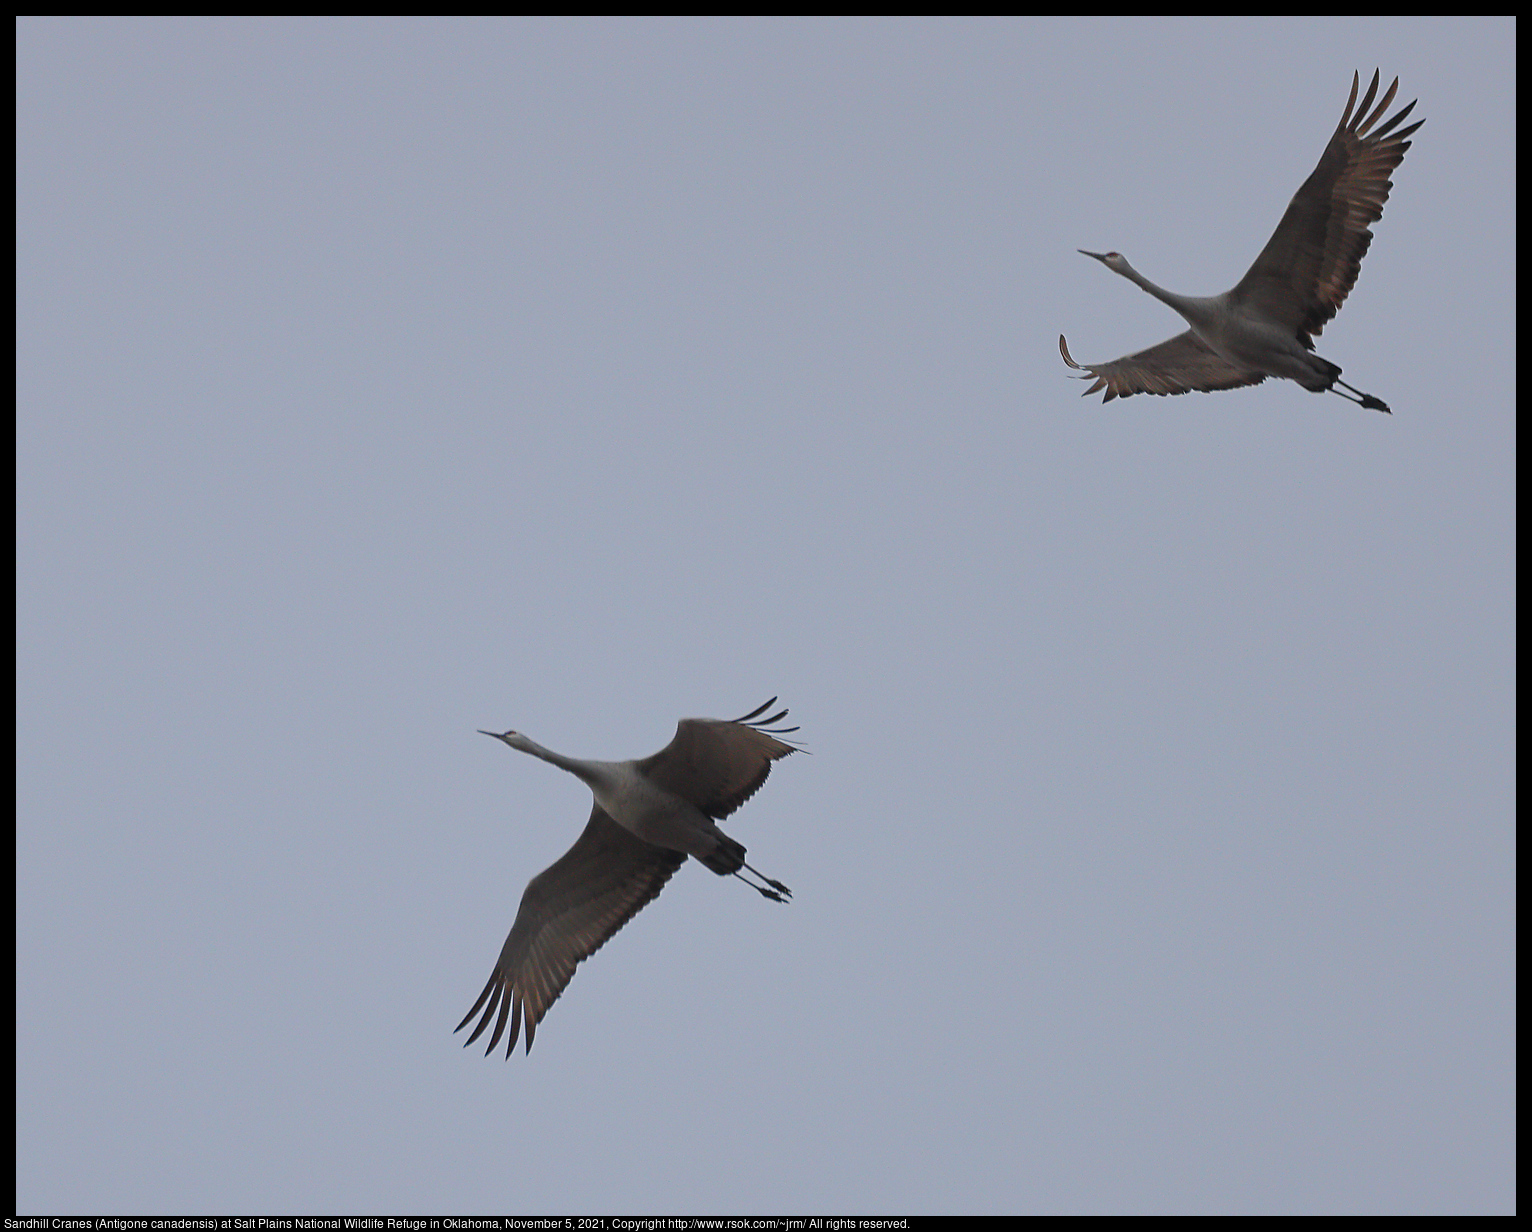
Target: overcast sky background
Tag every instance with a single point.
(385, 380)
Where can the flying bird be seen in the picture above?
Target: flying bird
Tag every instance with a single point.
(648, 816)
(1266, 325)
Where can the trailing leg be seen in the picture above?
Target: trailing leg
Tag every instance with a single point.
(778, 892)
(1361, 399)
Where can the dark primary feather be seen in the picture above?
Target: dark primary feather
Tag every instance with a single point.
(568, 912)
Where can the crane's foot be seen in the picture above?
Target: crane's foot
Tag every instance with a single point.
(1366, 401)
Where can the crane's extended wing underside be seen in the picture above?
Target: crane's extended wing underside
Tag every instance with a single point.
(568, 912)
(717, 764)
(1178, 365)
(1312, 260)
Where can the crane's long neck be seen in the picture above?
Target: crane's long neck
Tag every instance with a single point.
(1195, 308)
(587, 772)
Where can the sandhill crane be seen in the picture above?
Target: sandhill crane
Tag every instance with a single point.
(1266, 325)
(649, 815)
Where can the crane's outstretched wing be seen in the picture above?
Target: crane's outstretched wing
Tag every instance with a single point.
(568, 912)
(1176, 366)
(1311, 262)
(717, 764)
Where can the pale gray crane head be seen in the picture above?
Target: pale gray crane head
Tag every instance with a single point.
(1114, 261)
(513, 738)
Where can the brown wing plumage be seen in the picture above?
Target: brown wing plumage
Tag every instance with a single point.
(1176, 366)
(717, 764)
(1311, 262)
(568, 912)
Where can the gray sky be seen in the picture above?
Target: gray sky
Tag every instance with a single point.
(382, 381)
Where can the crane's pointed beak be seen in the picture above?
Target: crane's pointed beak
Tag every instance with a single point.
(1100, 256)
(496, 735)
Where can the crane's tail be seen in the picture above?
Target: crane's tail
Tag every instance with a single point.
(728, 857)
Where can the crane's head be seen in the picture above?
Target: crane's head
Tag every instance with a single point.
(1112, 260)
(523, 744)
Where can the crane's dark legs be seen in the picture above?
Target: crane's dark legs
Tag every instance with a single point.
(778, 893)
(1361, 399)
(729, 857)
